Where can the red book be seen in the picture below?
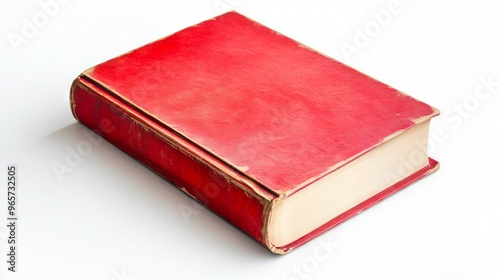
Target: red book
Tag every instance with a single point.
(281, 141)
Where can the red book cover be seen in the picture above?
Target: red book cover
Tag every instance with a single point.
(241, 118)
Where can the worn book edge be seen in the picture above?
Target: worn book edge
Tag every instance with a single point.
(261, 193)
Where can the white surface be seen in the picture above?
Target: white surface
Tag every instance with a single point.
(111, 218)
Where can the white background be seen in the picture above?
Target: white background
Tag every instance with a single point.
(111, 218)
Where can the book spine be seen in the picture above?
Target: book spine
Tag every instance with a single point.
(222, 194)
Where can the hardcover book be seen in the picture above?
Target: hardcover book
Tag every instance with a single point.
(278, 139)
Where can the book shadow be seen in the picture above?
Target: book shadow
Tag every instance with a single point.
(128, 179)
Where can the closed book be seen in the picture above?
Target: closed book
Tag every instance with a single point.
(278, 139)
